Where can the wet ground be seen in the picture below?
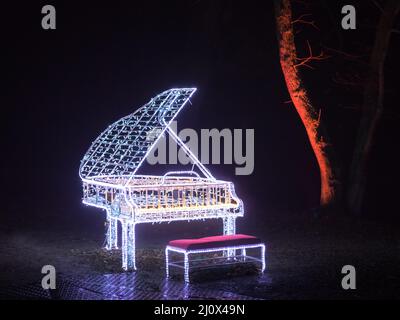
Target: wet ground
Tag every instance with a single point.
(304, 261)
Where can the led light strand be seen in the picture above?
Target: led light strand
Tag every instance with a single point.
(224, 249)
(108, 172)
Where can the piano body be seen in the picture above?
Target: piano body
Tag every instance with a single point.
(110, 180)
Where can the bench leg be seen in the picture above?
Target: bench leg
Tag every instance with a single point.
(186, 265)
(166, 263)
(263, 257)
(244, 254)
(186, 290)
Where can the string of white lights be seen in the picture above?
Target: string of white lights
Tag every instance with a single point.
(110, 180)
(223, 249)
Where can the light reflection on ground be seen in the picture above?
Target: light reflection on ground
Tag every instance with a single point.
(121, 286)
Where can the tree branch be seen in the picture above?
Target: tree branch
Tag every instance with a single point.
(301, 20)
(311, 57)
(377, 5)
(349, 56)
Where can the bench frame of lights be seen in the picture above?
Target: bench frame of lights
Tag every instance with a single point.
(110, 180)
(231, 259)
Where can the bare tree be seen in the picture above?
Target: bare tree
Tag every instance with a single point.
(309, 114)
(373, 103)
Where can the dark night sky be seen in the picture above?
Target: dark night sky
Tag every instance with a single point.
(64, 87)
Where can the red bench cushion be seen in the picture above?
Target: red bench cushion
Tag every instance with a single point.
(214, 242)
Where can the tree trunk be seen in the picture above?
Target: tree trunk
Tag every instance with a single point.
(309, 115)
(372, 107)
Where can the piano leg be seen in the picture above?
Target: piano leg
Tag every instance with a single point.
(229, 228)
(128, 246)
(131, 247)
(112, 233)
(124, 245)
(229, 225)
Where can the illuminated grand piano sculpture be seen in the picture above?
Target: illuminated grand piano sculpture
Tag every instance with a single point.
(110, 180)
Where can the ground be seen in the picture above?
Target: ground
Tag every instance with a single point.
(305, 256)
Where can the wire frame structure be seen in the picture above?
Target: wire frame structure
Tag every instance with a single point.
(110, 181)
(185, 264)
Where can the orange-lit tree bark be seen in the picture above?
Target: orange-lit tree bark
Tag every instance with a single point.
(372, 106)
(309, 114)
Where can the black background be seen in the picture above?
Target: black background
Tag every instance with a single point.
(63, 87)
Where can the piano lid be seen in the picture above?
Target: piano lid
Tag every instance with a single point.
(123, 146)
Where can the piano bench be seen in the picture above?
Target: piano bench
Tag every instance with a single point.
(228, 244)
